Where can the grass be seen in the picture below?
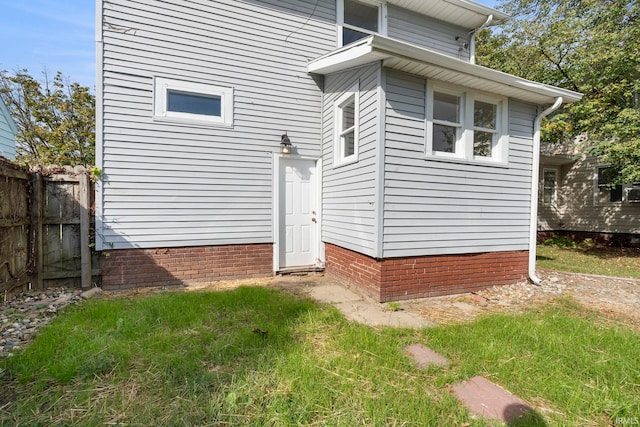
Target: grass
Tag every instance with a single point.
(256, 356)
(620, 262)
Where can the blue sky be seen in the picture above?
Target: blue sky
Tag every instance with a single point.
(56, 35)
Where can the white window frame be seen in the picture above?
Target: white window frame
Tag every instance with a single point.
(162, 87)
(464, 144)
(353, 93)
(554, 195)
(382, 18)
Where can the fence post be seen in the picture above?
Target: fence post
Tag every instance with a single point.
(85, 219)
(36, 225)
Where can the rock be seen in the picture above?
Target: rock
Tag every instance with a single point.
(91, 293)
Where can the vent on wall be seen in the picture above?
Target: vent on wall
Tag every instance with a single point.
(633, 195)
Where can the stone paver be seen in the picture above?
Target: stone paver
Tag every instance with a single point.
(424, 357)
(488, 400)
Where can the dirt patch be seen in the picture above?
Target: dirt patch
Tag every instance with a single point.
(611, 296)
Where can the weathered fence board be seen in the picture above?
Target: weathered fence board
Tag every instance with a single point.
(45, 228)
(15, 228)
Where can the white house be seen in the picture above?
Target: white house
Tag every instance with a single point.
(8, 132)
(238, 138)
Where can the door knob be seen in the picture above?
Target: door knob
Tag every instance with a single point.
(314, 220)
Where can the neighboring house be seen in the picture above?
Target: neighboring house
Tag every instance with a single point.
(8, 132)
(578, 200)
(241, 138)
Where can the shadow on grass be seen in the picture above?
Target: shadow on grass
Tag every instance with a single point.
(518, 415)
(176, 349)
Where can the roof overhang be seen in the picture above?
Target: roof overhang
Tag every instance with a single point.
(556, 159)
(464, 13)
(416, 60)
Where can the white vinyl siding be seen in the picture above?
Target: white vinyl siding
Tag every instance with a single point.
(434, 207)
(349, 190)
(7, 134)
(427, 32)
(180, 184)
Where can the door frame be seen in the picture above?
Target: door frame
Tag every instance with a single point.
(278, 160)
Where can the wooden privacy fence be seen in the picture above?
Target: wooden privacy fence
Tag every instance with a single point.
(45, 228)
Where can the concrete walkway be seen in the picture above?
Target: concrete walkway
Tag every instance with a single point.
(353, 304)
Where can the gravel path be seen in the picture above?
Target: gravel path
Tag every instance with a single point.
(610, 295)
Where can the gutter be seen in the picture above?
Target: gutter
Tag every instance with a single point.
(535, 168)
(472, 42)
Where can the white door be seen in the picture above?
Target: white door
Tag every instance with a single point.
(298, 219)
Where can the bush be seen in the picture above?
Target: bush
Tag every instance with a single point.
(561, 241)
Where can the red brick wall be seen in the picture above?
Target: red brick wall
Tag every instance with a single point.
(395, 279)
(129, 268)
(359, 269)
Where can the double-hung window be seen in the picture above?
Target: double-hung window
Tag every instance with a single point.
(358, 19)
(447, 121)
(465, 124)
(549, 186)
(346, 118)
(193, 102)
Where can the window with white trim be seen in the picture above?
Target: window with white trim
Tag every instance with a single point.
(346, 119)
(549, 186)
(182, 101)
(606, 191)
(358, 19)
(465, 124)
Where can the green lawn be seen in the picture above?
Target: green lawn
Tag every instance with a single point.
(257, 356)
(620, 262)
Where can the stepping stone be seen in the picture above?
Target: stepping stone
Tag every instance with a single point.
(424, 357)
(489, 400)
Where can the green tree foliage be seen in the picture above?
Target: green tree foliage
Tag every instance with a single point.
(55, 118)
(590, 46)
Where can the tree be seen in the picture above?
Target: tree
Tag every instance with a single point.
(55, 118)
(590, 46)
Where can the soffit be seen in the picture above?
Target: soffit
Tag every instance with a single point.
(427, 63)
(464, 13)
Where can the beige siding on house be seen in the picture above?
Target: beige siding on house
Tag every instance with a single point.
(577, 208)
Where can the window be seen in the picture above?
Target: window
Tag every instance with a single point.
(346, 126)
(606, 192)
(193, 102)
(465, 124)
(358, 19)
(550, 186)
(485, 134)
(447, 124)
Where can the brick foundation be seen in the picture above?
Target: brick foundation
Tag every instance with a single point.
(130, 268)
(395, 279)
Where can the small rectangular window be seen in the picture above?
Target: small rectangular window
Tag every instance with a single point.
(358, 19)
(346, 125)
(193, 102)
(550, 186)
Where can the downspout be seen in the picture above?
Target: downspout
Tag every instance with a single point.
(472, 42)
(535, 167)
